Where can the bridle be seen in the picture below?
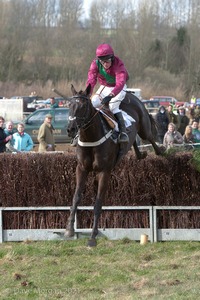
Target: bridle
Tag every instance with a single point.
(83, 121)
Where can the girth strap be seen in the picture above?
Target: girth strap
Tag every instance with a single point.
(97, 143)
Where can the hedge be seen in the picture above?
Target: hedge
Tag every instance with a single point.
(48, 179)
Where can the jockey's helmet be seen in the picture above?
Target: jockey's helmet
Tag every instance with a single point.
(104, 52)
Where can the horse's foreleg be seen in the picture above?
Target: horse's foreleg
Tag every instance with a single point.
(103, 180)
(81, 176)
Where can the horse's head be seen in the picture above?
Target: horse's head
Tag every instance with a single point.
(80, 109)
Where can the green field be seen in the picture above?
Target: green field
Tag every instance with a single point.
(113, 270)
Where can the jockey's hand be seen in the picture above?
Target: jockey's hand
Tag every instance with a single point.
(106, 99)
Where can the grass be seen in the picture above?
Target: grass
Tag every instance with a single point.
(113, 270)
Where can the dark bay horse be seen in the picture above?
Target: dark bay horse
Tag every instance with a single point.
(98, 151)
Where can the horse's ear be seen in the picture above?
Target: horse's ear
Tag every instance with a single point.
(88, 89)
(74, 92)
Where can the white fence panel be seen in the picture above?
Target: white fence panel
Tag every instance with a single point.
(154, 233)
(167, 234)
(48, 234)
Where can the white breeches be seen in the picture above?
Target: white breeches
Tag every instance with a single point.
(114, 103)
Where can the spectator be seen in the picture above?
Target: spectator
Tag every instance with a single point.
(172, 136)
(171, 115)
(3, 138)
(162, 121)
(33, 94)
(22, 141)
(196, 133)
(9, 131)
(53, 102)
(45, 135)
(191, 113)
(197, 113)
(188, 137)
(183, 120)
(193, 100)
(9, 128)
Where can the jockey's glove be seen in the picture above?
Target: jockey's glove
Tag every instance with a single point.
(107, 99)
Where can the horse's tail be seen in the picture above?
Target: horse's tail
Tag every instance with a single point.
(154, 126)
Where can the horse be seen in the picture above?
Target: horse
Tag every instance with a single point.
(98, 149)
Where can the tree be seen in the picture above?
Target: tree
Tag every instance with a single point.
(179, 51)
(155, 55)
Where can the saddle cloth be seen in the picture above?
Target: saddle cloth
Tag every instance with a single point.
(108, 116)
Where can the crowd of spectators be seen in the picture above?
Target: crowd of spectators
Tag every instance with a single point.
(178, 126)
(19, 141)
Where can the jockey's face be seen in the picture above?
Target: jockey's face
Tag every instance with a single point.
(106, 63)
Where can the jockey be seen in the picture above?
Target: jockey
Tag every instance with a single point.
(112, 75)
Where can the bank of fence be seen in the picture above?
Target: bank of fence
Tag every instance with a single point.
(154, 233)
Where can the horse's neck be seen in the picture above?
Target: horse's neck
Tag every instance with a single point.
(95, 128)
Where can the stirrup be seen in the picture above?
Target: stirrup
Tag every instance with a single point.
(123, 138)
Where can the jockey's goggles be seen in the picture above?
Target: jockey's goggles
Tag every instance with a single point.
(106, 61)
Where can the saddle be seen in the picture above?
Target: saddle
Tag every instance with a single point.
(108, 116)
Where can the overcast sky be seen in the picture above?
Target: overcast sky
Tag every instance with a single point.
(87, 4)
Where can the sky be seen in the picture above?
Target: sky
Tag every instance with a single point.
(86, 5)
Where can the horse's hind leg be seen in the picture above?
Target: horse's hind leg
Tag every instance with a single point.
(150, 135)
(81, 176)
(103, 179)
(158, 150)
(139, 154)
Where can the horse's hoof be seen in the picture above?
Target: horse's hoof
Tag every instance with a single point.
(143, 154)
(69, 233)
(162, 150)
(92, 243)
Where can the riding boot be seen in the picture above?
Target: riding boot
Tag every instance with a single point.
(74, 142)
(123, 137)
